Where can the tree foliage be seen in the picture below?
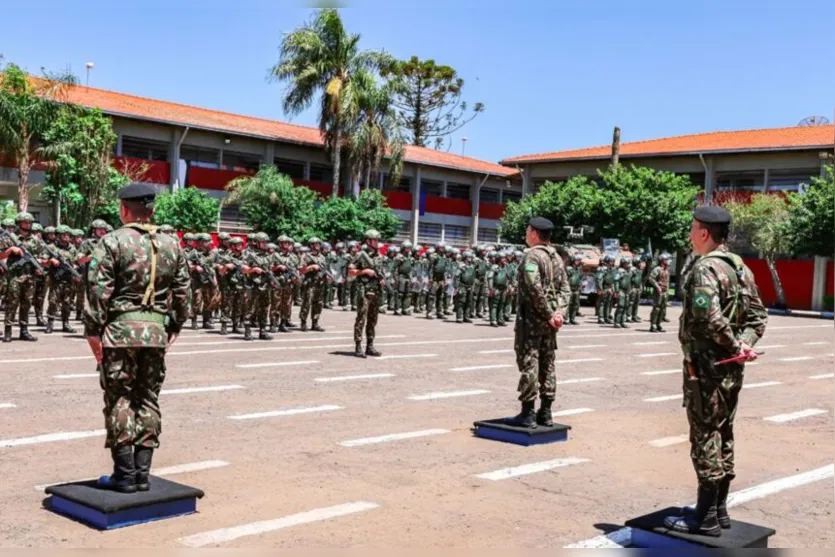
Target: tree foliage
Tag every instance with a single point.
(428, 100)
(271, 203)
(80, 177)
(188, 209)
(634, 204)
(109, 212)
(811, 226)
(347, 218)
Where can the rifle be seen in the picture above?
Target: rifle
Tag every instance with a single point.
(16, 262)
(64, 267)
(274, 282)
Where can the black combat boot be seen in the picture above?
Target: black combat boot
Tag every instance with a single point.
(543, 415)
(78, 316)
(50, 326)
(223, 329)
(527, 417)
(652, 328)
(24, 334)
(39, 322)
(282, 328)
(703, 521)
(272, 325)
(316, 327)
(7, 334)
(661, 329)
(722, 503)
(207, 321)
(467, 320)
(262, 335)
(123, 478)
(371, 351)
(247, 332)
(290, 324)
(194, 323)
(303, 327)
(65, 328)
(142, 462)
(358, 351)
(236, 328)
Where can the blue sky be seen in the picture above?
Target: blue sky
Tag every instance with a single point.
(554, 75)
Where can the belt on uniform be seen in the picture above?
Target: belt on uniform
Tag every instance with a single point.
(139, 316)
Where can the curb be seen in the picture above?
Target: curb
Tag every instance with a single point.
(802, 313)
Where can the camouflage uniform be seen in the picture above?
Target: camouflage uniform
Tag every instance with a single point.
(480, 285)
(369, 291)
(80, 287)
(390, 289)
(575, 282)
(403, 272)
(464, 281)
(232, 286)
(510, 295)
(85, 250)
(498, 277)
(20, 280)
(40, 280)
(437, 273)
(203, 285)
(637, 277)
(623, 290)
(62, 286)
(598, 282)
(289, 277)
(659, 280)
(258, 287)
(313, 284)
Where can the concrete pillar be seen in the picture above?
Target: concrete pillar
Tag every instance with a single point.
(307, 170)
(269, 154)
(475, 200)
(819, 283)
(119, 145)
(416, 205)
(766, 178)
(527, 183)
(443, 188)
(710, 179)
(174, 159)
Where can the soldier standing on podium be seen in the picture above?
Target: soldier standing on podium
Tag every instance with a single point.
(129, 323)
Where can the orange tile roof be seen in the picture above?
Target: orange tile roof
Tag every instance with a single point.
(131, 106)
(776, 139)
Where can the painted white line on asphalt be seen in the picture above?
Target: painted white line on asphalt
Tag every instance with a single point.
(288, 412)
(816, 343)
(581, 346)
(294, 339)
(582, 380)
(763, 384)
(169, 471)
(657, 355)
(781, 418)
(392, 437)
(506, 351)
(268, 348)
(661, 372)
(222, 535)
(664, 398)
(579, 360)
(533, 468)
(7, 405)
(653, 343)
(772, 346)
(800, 327)
(405, 357)
(571, 412)
(668, 441)
(277, 364)
(50, 437)
(212, 389)
(474, 368)
(448, 394)
(353, 377)
(58, 359)
(75, 376)
(776, 486)
(823, 376)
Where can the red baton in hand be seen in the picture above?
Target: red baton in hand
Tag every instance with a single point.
(738, 358)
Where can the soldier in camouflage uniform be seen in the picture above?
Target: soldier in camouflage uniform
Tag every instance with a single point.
(390, 289)
(84, 253)
(340, 271)
(464, 280)
(298, 250)
(404, 277)
(623, 291)
(40, 281)
(285, 264)
(312, 268)
(722, 317)
(437, 273)
(543, 300)
(598, 282)
(62, 284)
(136, 304)
(350, 282)
(659, 280)
(637, 288)
(203, 281)
(367, 268)
(606, 273)
(256, 262)
(480, 285)
(20, 276)
(498, 277)
(575, 282)
(228, 264)
(513, 259)
(421, 272)
(77, 238)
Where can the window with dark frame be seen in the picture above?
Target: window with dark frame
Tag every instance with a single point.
(432, 187)
(241, 162)
(145, 149)
(488, 196)
(200, 156)
(321, 173)
(514, 196)
(293, 169)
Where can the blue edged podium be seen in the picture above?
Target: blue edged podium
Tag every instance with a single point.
(648, 531)
(106, 510)
(502, 430)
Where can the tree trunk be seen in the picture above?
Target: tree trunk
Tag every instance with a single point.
(337, 160)
(368, 177)
(23, 184)
(616, 147)
(778, 285)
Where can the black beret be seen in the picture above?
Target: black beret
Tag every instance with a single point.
(541, 223)
(138, 192)
(712, 215)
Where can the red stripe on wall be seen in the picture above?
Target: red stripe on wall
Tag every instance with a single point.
(490, 210)
(448, 206)
(796, 277)
(830, 279)
(155, 172)
(399, 200)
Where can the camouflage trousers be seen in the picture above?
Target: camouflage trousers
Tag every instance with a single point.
(479, 299)
(509, 302)
(659, 308)
(233, 309)
(621, 313)
(606, 300)
(61, 300)
(634, 303)
(131, 379)
(711, 408)
(40, 295)
(536, 357)
(19, 293)
(80, 293)
(404, 294)
(367, 311)
(312, 301)
(257, 307)
(574, 306)
(282, 308)
(497, 306)
(351, 294)
(203, 299)
(435, 299)
(463, 302)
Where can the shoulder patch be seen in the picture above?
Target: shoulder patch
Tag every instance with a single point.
(531, 267)
(701, 298)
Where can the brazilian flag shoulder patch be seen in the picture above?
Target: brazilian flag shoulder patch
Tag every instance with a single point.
(701, 298)
(531, 267)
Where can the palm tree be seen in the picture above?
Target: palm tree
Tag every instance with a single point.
(27, 108)
(322, 57)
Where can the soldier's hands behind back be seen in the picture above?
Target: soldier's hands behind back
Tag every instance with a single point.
(748, 352)
(95, 347)
(556, 320)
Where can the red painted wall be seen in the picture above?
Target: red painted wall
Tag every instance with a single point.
(156, 172)
(796, 277)
(830, 278)
(321, 188)
(490, 210)
(399, 200)
(447, 206)
(212, 178)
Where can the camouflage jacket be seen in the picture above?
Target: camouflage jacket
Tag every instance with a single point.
(364, 260)
(254, 257)
(31, 244)
(659, 278)
(404, 265)
(543, 290)
(438, 267)
(721, 305)
(70, 255)
(465, 275)
(311, 258)
(575, 278)
(637, 277)
(623, 280)
(118, 281)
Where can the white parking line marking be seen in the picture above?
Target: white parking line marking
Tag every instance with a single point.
(506, 351)
(212, 389)
(352, 377)
(533, 468)
(276, 364)
(405, 356)
(50, 437)
(797, 359)
(448, 394)
(579, 346)
(222, 535)
(657, 355)
(823, 376)
(571, 412)
(7, 405)
(763, 384)
(169, 471)
(579, 360)
(268, 348)
(668, 441)
(75, 376)
(782, 418)
(664, 398)
(288, 412)
(581, 380)
(772, 346)
(816, 343)
(474, 368)
(294, 339)
(653, 343)
(661, 372)
(392, 437)
(58, 359)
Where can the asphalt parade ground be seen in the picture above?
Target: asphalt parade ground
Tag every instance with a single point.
(299, 444)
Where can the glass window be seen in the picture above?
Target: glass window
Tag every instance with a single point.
(431, 187)
(404, 185)
(515, 196)
(404, 232)
(429, 233)
(488, 235)
(321, 173)
(790, 180)
(200, 156)
(488, 196)
(457, 191)
(145, 149)
(455, 234)
(293, 169)
(241, 162)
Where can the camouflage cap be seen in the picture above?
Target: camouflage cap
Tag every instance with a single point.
(297, 245)
(24, 217)
(262, 237)
(665, 257)
(8, 222)
(392, 250)
(440, 246)
(352, 243)
(272, 246)
(418, 248)
(188, 236)
(98, 223)
(577, 257)
(372, 234)
(49, 230)
(204, 237)
(406, 244)
(468, 253)
(340, 245)
(36, 227)
(625, 260)
(77, 232)
(63, 229)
